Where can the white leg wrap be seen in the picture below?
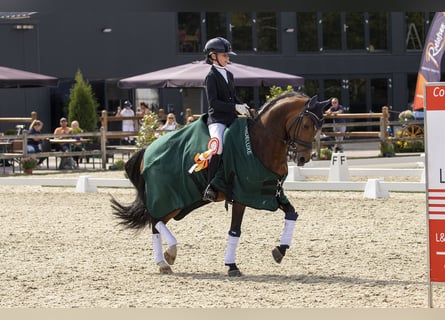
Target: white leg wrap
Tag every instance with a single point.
(158, 255)
(232, 243)
(286, 238)
(166, 234)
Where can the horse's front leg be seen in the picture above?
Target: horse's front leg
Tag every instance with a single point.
(286, 238)
(233, 240)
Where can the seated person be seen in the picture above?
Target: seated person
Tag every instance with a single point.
(34, 144)
(75, 129)
(171, 123)
(63, 129)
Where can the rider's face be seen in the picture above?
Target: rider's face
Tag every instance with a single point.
(222, 58)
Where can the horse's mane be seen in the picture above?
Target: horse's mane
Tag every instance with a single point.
(270, 103)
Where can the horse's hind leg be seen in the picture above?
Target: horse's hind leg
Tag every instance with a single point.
(171, 251)
(164, 268)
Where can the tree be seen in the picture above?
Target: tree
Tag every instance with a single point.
(82, 105)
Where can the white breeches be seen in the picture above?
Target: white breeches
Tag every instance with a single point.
(216, 130)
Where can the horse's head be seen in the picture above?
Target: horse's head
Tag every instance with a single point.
(304, 128)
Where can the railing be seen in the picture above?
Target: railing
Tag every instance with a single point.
(380, 120)
(20, 120)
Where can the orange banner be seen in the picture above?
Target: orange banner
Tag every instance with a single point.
(429, 70)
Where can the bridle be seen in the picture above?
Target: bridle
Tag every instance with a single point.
(293, 141)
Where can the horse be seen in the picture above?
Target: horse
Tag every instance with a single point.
(289, 121)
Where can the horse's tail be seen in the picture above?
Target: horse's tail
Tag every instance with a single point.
(135, 215)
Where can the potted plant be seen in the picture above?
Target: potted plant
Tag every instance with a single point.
(387, 149)
(325, 154)
(28, 165)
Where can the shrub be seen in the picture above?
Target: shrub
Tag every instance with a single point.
(82, 104)
(276, 91)
(28, 163)
(387, 149)
(147, 132)
(325, 154)
(120, 164)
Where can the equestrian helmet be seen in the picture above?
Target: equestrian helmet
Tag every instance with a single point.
(217, 45)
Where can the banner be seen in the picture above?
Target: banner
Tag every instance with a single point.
(429, 70)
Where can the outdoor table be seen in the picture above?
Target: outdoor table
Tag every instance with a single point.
(70, 142)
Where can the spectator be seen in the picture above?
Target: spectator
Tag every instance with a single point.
(127, 125)
(65, 162)
(75, 129)
(171, 123)
(143, 107)
(190, 119)
(339, 127)
(63, 129)
(35, 144)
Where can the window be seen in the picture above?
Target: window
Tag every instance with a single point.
(379, 94)
(354, 28)
(417, 25)
(241, 28)
(332, 88)
(378, 31)
(357, 95)
(246, 31)
(189, 32)
(331, 31)
(307, 34)
(266, 29)
(312, 88)
(216, 24)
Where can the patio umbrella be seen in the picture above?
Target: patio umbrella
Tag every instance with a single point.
(15, 78)
(193, 75)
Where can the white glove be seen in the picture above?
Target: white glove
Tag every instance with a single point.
(242, 109)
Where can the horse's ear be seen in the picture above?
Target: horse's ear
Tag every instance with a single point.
(312, 101)
(318, 107)
(324, 104)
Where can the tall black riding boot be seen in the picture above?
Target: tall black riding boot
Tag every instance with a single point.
(210, 194)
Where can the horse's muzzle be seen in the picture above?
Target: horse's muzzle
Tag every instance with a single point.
(301, 161)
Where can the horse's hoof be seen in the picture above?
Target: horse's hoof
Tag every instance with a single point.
(235, 273)
(164, 268)
(170, 254)
(277, 255)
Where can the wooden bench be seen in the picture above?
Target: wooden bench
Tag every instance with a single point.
(14, 157)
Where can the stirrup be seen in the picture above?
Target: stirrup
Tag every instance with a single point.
(210, 194)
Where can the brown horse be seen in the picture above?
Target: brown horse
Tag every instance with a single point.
(289, 121)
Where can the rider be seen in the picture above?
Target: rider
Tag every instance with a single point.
(223, 103)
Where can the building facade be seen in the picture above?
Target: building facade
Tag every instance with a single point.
(366, 59)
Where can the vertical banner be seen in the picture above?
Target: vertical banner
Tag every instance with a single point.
(429, 70)
(435, 186)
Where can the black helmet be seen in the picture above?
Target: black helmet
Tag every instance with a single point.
(217, 45)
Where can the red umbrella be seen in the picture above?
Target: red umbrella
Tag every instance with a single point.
(15, 78)
(193, 75)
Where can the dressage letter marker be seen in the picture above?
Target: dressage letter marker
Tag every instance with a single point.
(435, 157)
(339, 170)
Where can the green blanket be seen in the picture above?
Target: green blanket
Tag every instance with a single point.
(241, 177)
